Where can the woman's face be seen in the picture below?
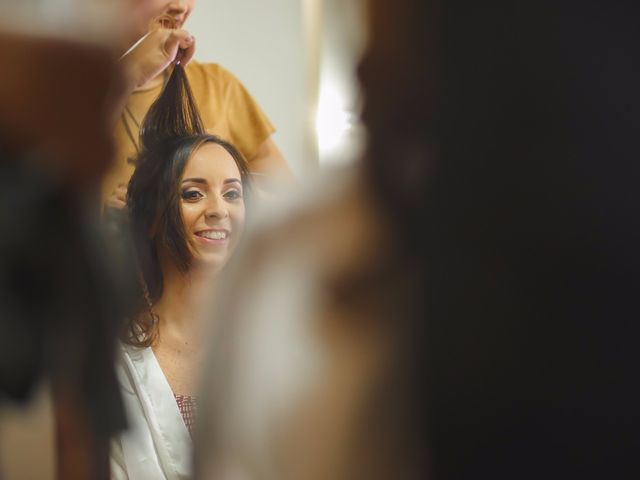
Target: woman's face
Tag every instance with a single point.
(212, 205)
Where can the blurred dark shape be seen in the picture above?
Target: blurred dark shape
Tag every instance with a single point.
(63, 286)
(513, 194)
(59, 304)
(486, 265)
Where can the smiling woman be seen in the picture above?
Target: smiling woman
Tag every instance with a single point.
(212, 203)
(186, 202)
(183, 181)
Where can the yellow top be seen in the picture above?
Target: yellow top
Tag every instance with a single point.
(226, 107)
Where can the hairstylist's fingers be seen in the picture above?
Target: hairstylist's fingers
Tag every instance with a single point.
(154, 53)
(179, 39)
(187, 53)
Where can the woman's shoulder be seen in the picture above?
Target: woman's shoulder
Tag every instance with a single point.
(131, 352)
(209, 73)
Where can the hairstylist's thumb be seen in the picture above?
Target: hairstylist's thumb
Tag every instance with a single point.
(183, 41)
(154, 52)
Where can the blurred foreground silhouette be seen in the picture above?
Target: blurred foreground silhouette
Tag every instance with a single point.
(60, 302)
(466, 305)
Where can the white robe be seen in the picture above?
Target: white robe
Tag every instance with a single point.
(157, 444)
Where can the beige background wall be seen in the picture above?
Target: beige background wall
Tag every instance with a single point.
(263, 43)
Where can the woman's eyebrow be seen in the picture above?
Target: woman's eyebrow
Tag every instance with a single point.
(204, 181)
(194, 180)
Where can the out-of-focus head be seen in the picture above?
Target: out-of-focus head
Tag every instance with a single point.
(398, 68)
(399, 73)
(470, 117)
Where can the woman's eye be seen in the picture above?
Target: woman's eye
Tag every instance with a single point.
(233, 194)
(191, 195)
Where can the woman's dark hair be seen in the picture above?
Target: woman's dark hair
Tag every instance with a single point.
(171, 132)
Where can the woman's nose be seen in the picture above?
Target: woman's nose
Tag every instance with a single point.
(216, 208)
(178, 6)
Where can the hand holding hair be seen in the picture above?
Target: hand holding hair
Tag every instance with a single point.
(154, 52)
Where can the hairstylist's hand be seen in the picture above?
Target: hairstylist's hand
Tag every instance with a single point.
(155, 52)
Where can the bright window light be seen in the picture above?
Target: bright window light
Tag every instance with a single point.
(332, 121)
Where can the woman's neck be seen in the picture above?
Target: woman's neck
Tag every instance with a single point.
(180, 305)
(179, 346)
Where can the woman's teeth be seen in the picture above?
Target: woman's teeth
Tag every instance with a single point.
(213, 235)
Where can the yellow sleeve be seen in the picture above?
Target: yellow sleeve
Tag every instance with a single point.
(248, 126)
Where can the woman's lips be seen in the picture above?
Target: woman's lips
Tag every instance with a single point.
(212, 237)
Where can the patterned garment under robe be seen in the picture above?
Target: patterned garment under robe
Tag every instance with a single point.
(187, 405)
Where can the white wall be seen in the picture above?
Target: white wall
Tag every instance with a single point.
(262, 42)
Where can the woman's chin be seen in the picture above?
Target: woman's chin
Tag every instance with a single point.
(209, 264)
